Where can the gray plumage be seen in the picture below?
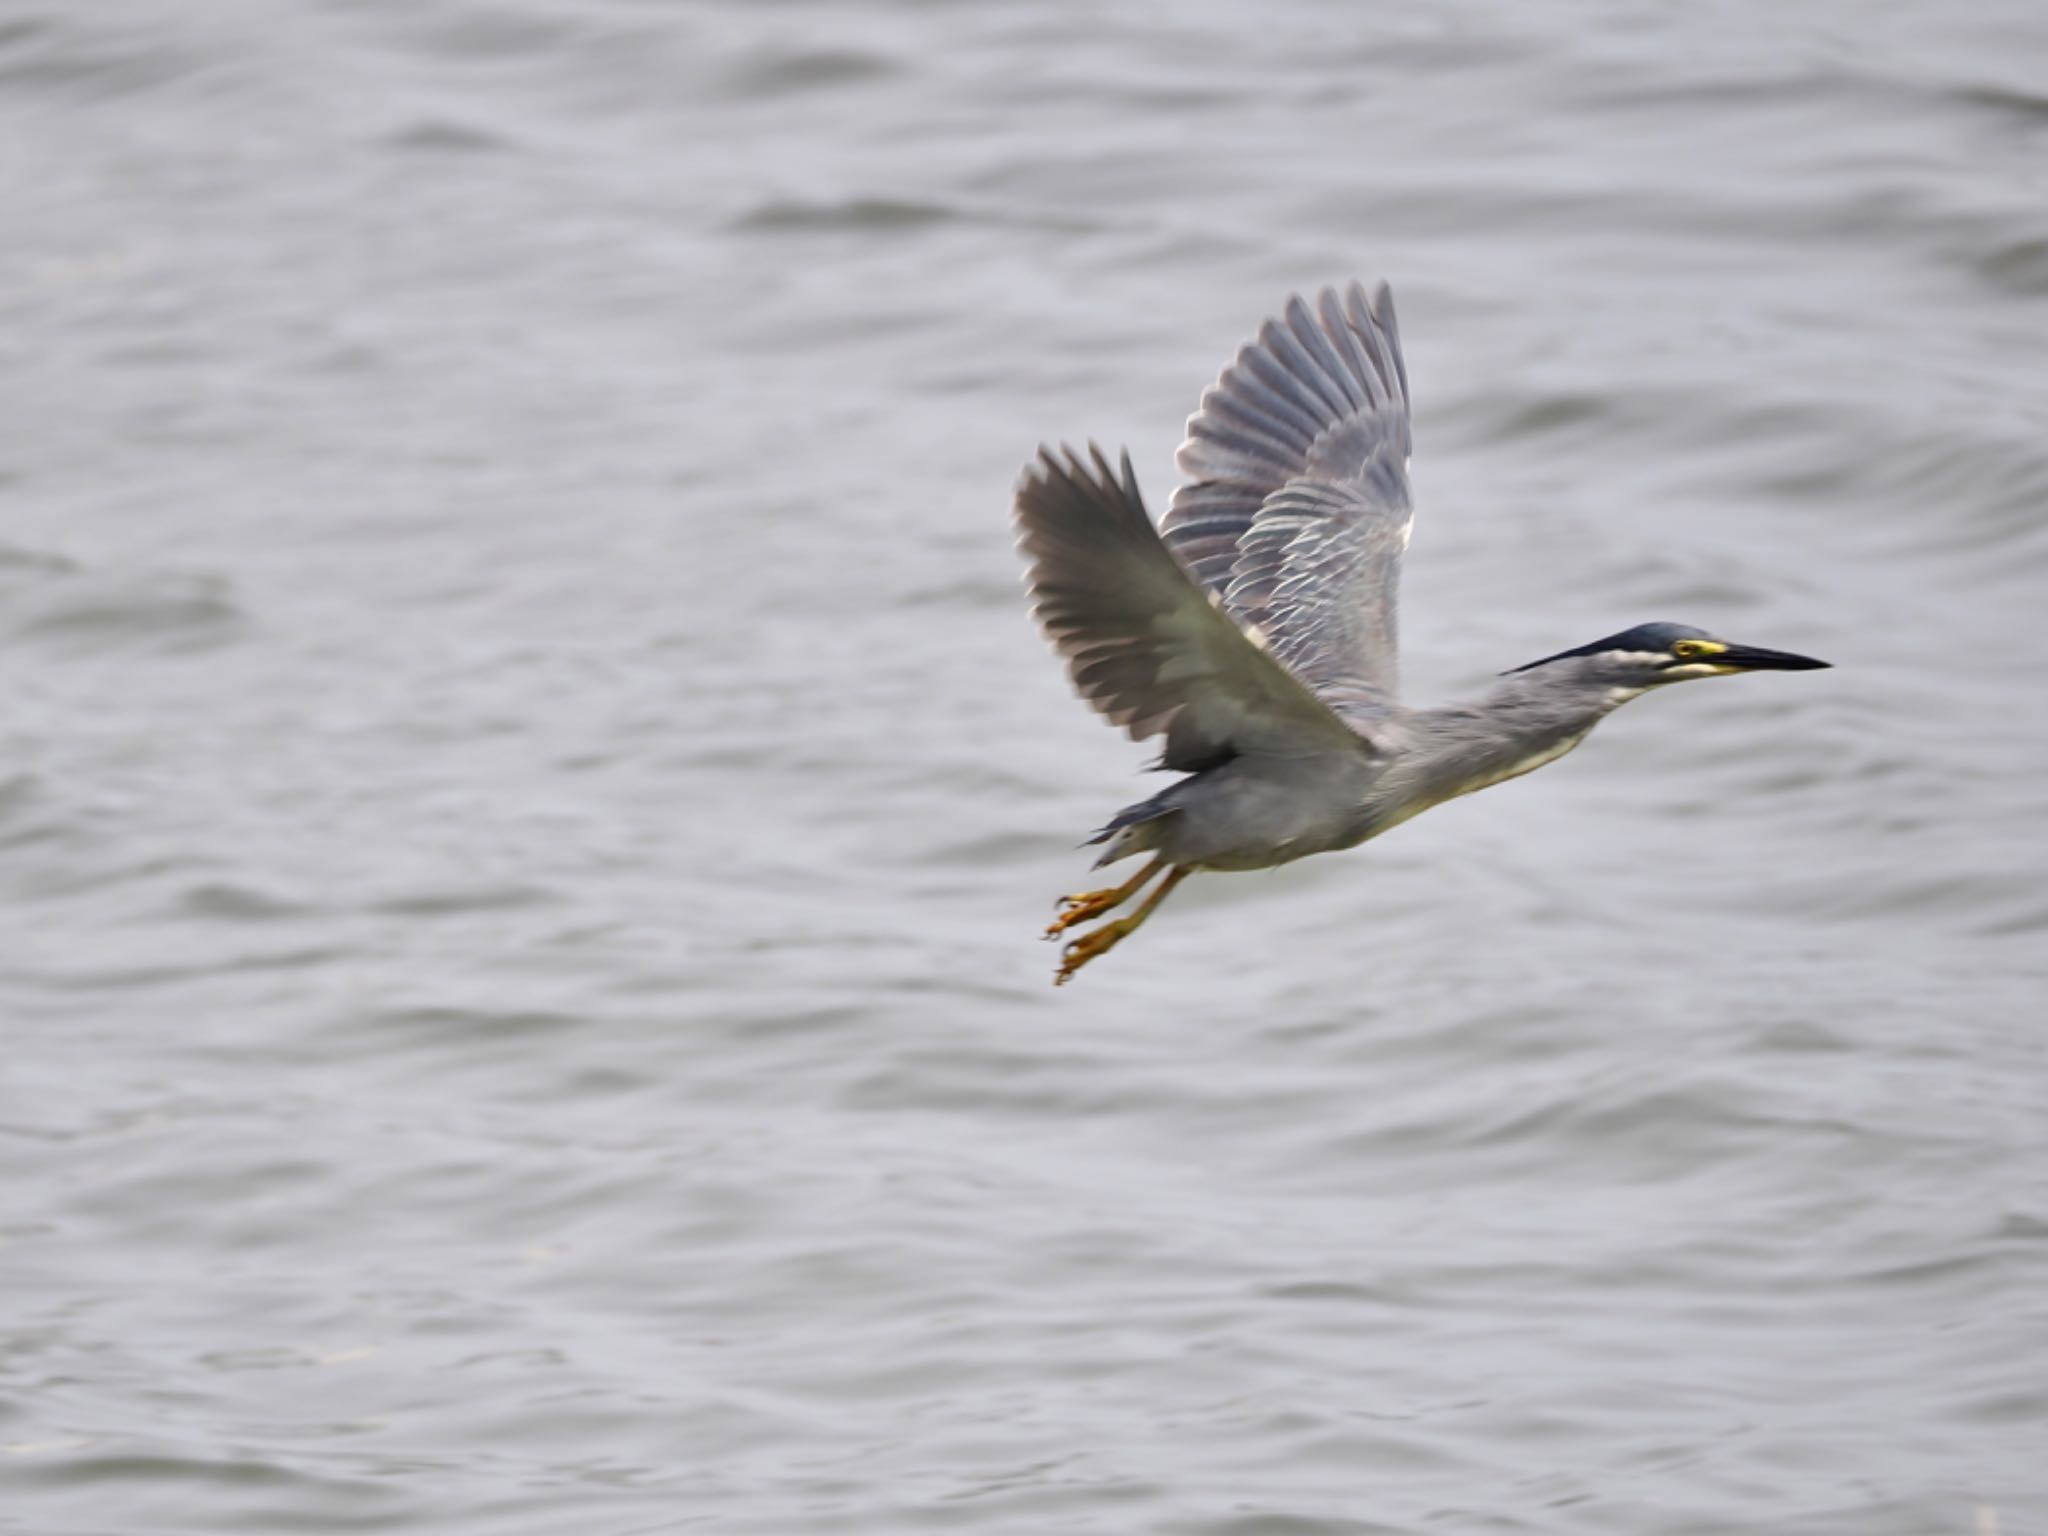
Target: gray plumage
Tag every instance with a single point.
(1254, 629)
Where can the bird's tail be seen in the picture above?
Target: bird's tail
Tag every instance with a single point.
(1135, 828)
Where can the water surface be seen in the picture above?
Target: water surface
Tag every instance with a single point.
(527, 792)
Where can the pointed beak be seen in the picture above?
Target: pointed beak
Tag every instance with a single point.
(1754, 658)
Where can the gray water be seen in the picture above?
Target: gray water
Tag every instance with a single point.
(527, 792)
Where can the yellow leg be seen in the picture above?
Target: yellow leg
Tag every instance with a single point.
(1102, 940)
(1089, 905)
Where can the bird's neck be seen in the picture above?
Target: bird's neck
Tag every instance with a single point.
(1523, 723)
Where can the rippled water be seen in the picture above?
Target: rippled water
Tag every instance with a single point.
(527, 792)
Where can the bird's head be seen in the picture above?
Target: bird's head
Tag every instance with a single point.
(1651, 655)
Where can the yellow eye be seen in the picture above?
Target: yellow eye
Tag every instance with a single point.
(1686, 650)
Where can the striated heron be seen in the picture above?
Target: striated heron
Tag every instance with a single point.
(1254, 628)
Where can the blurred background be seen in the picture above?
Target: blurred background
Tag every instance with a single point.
(527, 790)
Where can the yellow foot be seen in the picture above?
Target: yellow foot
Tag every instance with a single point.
(1086, 907)
(1090, 945)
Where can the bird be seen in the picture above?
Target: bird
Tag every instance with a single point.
(1252, 631)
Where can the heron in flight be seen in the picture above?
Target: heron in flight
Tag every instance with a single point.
(1253, 629)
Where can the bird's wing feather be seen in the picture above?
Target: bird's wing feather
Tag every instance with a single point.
(1298, 510)
(1144, 644)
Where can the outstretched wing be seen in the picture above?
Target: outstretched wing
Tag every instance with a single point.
(1144, 644)
(1298, 511)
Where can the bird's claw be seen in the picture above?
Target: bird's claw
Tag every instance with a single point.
(1082, 908)
(1088, 946)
